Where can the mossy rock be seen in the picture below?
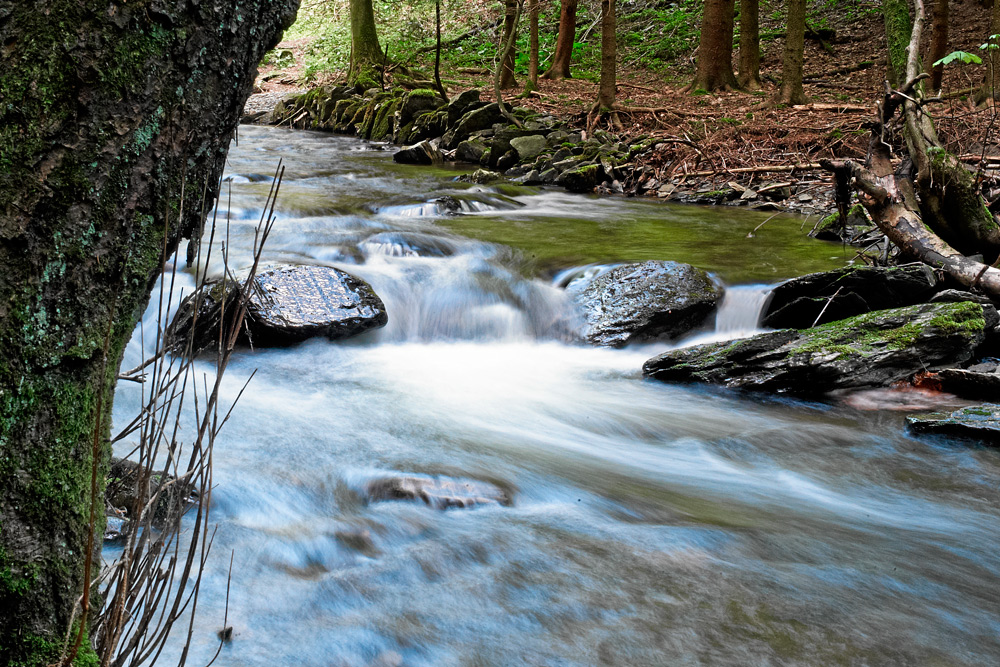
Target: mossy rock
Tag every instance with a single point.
(580, 179)
(871, 350)
(976, 422)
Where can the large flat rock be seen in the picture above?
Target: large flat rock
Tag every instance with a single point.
(977, 422)
(870, 350)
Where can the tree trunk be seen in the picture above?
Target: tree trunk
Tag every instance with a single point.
(507, 80)
(791, 68)
(564, 42)
(609, 56)
(991, 82)
(896, 15)
(715, 52)
(366, 54)
(533, 44)
(749, 63)
(940, 214)
(110, 112)
(939, 45)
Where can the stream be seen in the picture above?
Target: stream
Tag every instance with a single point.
(649, 524)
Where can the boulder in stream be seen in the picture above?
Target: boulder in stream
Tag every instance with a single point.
(977, 422)
(423, 152)
(287, 304)
(647, 301)
(440, 493)
(869, 350)
(845, 292)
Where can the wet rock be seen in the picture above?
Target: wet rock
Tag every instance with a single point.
(979, 422)
(831, 228)
(478, 119)
(580, 179)
(846, 292)
(123, 493)
(416, 102)
(869, 350)
(421, 153)
(483, 177)
(440, 493)
(407, 244)
(529, 147)
(954, 296)
(461, 105)
(969, 383)
(471, 150)
(508, 160)
(648, 301)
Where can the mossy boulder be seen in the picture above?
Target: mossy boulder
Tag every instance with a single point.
(471, 150)
(976, 422)
(429, 125)
(529, 147)
(415, 103)
(473, 121)
(647, 301)
(870, 350)
(463, 104)
(852, 290)
(579, 179)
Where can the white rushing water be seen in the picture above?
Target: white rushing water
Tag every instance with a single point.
(650, 524)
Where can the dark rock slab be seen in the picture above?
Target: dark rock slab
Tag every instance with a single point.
(846, 292)
(478, 119)
(969, 383)
(462, 104)
(869, 350)
(440, 493)
(423, 152)
(978, 422)
(647, 301)
(579, 179)
(293, 303)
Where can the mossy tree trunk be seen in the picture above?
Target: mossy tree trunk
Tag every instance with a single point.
(609, 57)
(366, 55)
(896, 16)
(109, 112)
(532, 46)
(560, 67)
(749, 60)
(791, 67)
(714, 70)
(934, 209)
(508, 55)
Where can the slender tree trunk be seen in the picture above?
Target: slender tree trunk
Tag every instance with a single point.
(896, 15)
(507, 80)
(939, 44)
(117, 113)
(366, 55)
(532, 45)
(609, 56)
(749, 63)
(791, 70)
(991, 82)
(564, 42)
(715, 51)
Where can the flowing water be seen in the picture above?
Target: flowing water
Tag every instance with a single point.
(650, 524)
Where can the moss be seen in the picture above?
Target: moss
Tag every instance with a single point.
(898, 27)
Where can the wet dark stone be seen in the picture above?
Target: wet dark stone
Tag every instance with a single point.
(648, 301)
(846, 292)
(869, 350)
(969, 383)
(420, 153)
(579, 179)
(459, 106)
(402, 244)
(978, 422)
(473, 121)
(293, 303)
(440, 493)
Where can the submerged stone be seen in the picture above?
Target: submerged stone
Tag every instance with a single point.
(978, 422)
(439, 493)
(797, 303)
(647, 301)
(869, 350)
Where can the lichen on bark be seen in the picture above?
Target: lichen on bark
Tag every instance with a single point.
(105, 110)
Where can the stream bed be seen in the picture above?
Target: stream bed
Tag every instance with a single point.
(648, 524)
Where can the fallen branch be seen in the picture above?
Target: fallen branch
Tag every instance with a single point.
(805, 166)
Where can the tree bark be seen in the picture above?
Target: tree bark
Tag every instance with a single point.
(749, 61)
(791, 69)
(110, 112)
(366, 54)
(564, 42)
(507, 57)
(939, 45)
(896, 16)
(609, 56)
(533, 44)
(715, 52)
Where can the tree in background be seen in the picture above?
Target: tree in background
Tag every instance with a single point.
(532, 46)
(896, 14)
(366, 55)
(939, 44)
(512, 12)
(791, 68)
(609, 56)
(564, 42)
(714, 70)
(749, 61)
(991, 82)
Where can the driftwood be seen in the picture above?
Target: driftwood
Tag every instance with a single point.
(943, 200)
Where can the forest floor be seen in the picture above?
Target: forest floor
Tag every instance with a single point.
(709, 139)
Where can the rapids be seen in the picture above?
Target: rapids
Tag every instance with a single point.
(650, 525)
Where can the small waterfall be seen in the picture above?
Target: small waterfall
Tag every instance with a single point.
(741, 309)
